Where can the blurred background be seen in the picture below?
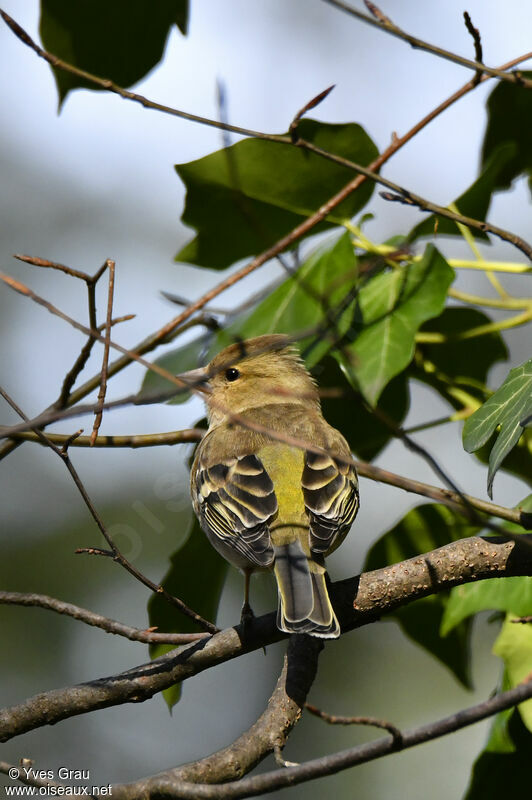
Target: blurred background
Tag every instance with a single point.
(97, 182)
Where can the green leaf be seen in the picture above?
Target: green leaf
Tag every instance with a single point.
(503, 768)
(514, 646)
(302, 302)
(196, 576)
(121, 40)
(390, 309)
(423, 529)
(495, 594)
(313, 297)
(242, 199)
(509, 122)
(366, 434)
(474, 202)
(510, 404)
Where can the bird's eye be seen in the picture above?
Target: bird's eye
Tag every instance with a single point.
(232, 374)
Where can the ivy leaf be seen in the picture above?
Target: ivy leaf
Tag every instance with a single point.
(510, 404)
(423, 529)
(242, 199)
(509, 122)
(475, 201)
(301, 302)
(121, 40)
(196, 576)
(514, 646)
(390, 308)
(503, 768)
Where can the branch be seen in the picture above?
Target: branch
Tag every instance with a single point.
(358, 601)
(161, 786)
(385, 24)
(363, 468)
(135, 440)
(97, 620)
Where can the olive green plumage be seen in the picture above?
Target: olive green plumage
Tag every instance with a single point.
(263, 502)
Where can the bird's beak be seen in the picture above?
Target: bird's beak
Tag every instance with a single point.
(196, 379)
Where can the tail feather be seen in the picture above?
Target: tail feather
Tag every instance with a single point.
(304, 603)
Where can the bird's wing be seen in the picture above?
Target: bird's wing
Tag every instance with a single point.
(330, 490)
(236, 501)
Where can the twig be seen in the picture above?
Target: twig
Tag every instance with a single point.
(386, 25)
(371, 721)
(105, 363)
(136, 440)
(148, 636)
(114, 551)
(105, 83)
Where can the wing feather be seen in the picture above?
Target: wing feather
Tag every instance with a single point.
(330, 490)
(236, 502)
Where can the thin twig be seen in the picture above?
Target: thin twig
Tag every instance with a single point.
(386, 25)
(105, 83)
(148, 636)
(371, 721)
(114, 551)
(106, 346)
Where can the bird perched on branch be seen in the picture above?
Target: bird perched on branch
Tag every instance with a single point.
(264, 500)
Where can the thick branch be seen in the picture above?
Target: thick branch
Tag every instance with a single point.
(357, 601)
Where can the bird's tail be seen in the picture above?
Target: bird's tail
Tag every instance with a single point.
(304, 603)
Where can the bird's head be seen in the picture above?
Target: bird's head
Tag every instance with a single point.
(256, 372)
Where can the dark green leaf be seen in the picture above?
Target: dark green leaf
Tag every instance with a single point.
(390, 309)
(121, 40)
(464, 361)
(510, 404)
(509, 122)
(475, 201)
(242, 199)
(366, 434)
(503, 768)
(423, 529)
(196, 576)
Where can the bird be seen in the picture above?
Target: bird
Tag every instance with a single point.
(263, 498)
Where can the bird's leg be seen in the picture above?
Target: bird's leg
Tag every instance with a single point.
(247, 612)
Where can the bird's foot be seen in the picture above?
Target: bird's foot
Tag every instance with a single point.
(246, 616)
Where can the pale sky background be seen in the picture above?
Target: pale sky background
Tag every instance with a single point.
(97, 181)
